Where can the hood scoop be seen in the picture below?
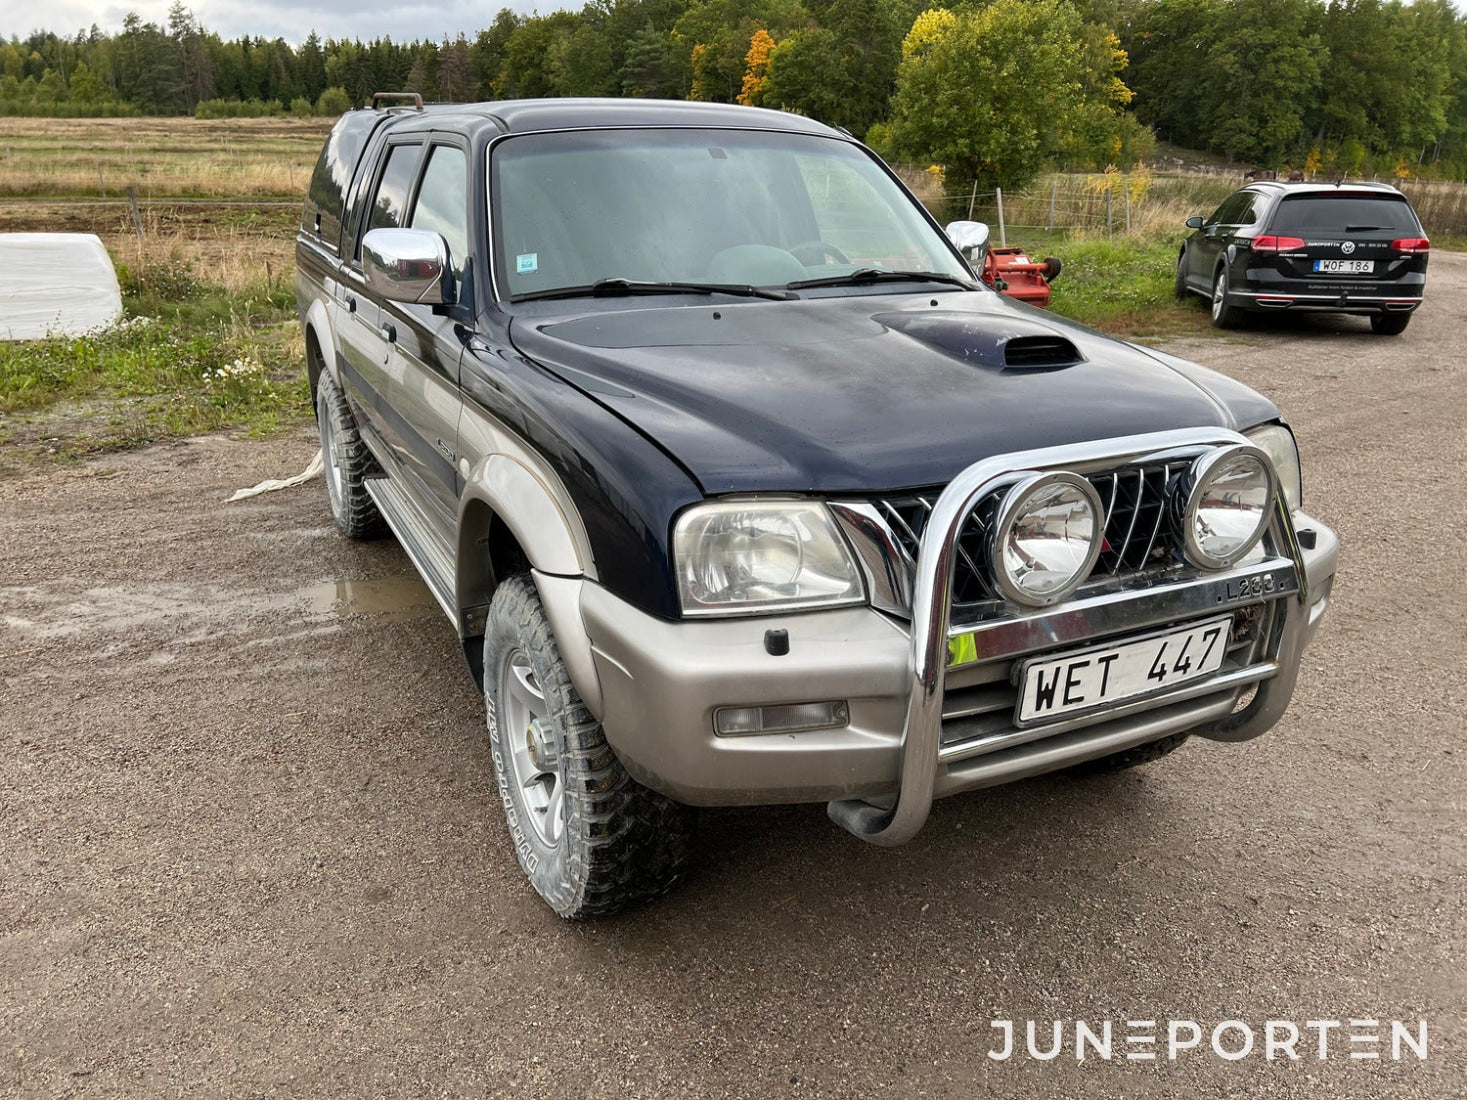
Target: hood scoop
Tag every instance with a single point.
(1003, 343)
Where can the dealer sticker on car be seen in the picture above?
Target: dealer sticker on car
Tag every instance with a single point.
(1061, 686)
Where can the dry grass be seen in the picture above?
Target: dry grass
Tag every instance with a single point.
(161, 158)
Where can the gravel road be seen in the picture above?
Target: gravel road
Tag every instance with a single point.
(249, 845)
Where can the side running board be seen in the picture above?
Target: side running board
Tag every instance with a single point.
(419, 538)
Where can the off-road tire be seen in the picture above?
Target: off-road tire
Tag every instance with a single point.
(1223, 314)
(1130, 758)
(618, 842)
(1389, 324)
(347, 462)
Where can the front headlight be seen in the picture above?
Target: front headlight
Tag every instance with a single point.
(1046, 540)
(737, 557)
(1277, 442)
(1228, 505)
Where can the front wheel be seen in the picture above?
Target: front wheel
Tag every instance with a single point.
(1179, 288)
(589, 837)
(1389, 324)
(1223, 314)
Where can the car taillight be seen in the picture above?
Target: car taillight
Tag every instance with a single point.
(1411, 246)
(1277, 244)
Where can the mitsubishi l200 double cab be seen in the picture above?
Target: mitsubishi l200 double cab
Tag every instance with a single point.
(740, 488)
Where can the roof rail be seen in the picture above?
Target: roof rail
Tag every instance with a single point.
(414, 96)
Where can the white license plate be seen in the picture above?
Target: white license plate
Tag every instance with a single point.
(1345, 267)
(1059, 687)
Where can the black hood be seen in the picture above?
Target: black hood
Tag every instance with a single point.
(869, 392)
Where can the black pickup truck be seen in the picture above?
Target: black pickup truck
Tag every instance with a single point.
(739, 487)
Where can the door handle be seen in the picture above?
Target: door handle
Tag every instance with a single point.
(389, 332)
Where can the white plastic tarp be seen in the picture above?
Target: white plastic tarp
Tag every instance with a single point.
(55, 284)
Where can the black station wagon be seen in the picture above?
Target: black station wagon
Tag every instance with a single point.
(739, 487)
(1336, 248)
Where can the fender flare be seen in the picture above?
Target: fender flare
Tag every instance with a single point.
(554, 541)
(317, 321)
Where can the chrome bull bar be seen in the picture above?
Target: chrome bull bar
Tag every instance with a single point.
(919, 755)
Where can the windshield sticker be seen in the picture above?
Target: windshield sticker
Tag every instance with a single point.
(527, 262)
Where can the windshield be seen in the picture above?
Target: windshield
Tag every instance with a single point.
(715, 207)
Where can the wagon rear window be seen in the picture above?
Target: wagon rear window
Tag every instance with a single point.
(1317, 215)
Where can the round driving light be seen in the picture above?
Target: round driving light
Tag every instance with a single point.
(1048, 535)
(1228, 506)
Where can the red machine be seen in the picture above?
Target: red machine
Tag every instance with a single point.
(1010, 271)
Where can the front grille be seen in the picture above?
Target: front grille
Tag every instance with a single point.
(980, 701)
(1138, 537)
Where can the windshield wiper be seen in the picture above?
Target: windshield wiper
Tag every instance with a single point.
(620, 288)
(1362, 228)
(864, 275)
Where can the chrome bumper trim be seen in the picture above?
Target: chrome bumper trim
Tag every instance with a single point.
(981, 746)
(1150, 605)
(920, 756)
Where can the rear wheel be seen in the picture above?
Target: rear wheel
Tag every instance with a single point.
(1223, 314)
(1389, 324)
(589, 837)
(346, 463)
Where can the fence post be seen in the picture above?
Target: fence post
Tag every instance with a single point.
(1003, 238)
(973, 198)
(1109, 221)
(1053, 197)
(137, 218)
(1128, 209)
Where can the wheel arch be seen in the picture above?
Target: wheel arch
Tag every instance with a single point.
(510, 523)
(320, 345)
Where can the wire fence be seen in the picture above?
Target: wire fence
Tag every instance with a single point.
(1142, 202)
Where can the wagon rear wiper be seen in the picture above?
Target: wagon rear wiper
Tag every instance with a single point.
(620, 288)
(864, 275)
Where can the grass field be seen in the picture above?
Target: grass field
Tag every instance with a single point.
(162, 158)
(211, 340)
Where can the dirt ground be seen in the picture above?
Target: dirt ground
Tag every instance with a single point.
(249, 844)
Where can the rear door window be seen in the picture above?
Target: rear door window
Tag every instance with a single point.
(390, 202)
(442, 203)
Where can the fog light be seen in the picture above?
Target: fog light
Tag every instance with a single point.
(1228, 506)
(790, 718)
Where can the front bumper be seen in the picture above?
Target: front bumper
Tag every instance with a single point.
(661, 682)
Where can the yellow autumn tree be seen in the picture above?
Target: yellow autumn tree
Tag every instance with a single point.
(756, 75)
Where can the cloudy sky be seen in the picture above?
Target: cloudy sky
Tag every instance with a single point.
(364, 19)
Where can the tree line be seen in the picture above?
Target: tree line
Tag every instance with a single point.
(991, 90)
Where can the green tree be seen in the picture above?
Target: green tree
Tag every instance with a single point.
(1167, 47)
(86, 87)
(987, 93)
(312, 67)
(334, 101)
(842, 72)
(1262, 72)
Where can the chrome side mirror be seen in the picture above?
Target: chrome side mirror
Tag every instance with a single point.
(408, 265)
(971, 239)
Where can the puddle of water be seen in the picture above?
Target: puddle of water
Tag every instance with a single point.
(397, 598)
(58, 610)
